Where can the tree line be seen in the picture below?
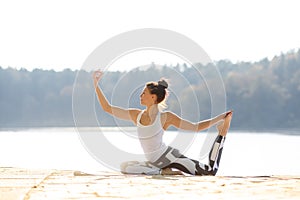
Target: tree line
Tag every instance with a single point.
(264, 94)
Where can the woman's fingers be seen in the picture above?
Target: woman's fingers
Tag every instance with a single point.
(97, 75)
(228, 113)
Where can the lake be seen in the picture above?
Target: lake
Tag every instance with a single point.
(245, 153)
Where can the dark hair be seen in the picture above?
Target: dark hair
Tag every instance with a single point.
(159, 89)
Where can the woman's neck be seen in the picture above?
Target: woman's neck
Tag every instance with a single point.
(152, 110)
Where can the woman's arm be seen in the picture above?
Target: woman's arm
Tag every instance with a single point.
(174, 120)
(126, 114)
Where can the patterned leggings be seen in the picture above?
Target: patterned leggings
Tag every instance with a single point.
(172, 158)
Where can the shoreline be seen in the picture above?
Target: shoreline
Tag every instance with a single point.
(279, 131)
(28, 184)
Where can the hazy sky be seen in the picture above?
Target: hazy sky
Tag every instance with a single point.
(61, 34)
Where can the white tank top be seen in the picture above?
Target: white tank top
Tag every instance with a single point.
(151, 138)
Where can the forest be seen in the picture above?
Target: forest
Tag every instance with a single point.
(265, 95)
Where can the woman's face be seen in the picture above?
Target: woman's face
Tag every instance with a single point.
(146, 98)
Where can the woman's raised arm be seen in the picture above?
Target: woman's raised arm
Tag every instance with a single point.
(126, 114)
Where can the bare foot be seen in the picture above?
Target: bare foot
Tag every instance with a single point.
(169, 171)
(223, 127)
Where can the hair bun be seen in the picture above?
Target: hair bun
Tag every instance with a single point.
(163, 83)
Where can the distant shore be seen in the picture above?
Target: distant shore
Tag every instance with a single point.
(287, 131)
(29, 184)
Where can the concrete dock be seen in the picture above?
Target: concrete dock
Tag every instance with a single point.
(33, 184)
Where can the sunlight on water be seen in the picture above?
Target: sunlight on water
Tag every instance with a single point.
(61, 148)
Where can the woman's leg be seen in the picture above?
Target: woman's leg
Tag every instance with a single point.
(172, 158)
(178, 161)
(135, 167)
(145, 168)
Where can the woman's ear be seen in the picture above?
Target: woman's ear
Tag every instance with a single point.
(154, 98)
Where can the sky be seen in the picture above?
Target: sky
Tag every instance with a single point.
(61, 34)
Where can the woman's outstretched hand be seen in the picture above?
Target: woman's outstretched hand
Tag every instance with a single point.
(223, 115)
(97, 76)
(228, 113)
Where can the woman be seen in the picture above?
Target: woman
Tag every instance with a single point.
(151, 124)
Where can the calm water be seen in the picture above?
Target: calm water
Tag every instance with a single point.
(61, 148)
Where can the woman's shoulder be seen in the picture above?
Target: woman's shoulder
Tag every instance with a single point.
(167, 115)
(168, 118)
(135, 111)
(167, 112)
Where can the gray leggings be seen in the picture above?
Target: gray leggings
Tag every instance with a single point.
(172, 158)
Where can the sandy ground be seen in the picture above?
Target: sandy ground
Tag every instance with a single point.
(16, 183)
